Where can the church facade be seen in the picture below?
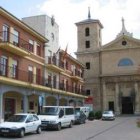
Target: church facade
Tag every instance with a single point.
(112, 71)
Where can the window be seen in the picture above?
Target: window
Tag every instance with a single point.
(87, 44)
(49, 80)
(67, 65)
(38, 76)
(30, 74)
(87, 65)
(31, 105)
(14, 69)
(88, 92)
(49, 53)
(52, 36)
(35, 118)
(15, 37)
(69, 111)
(38, 50)
(5, 33)
(31, 45)
(87, 31)
(3, 65)
(124, 43)
(54, 81)
(125, 62)
(30, 118)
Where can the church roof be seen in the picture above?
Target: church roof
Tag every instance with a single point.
(88, 21)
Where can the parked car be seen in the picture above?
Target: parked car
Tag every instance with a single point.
(85, 110)
(108, 115)
(21, 123)
(56, 117)
(80, 117)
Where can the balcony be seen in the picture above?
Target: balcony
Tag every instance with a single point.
(15, 76)
(68, 88)
(54, 64)
(14, 44)
(77, 76)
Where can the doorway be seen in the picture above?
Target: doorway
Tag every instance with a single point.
(9, 107)
(111, 105)
(127, 105)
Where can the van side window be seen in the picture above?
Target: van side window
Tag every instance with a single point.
(61, 113)
(69, 111)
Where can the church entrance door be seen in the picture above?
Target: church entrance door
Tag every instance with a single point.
(127, 105)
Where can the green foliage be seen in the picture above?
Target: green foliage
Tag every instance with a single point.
(138, 123)
(91, 115)
(98, 115)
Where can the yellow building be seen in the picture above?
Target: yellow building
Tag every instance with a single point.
(23, 85)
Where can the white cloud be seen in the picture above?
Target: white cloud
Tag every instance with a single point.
(109, 12)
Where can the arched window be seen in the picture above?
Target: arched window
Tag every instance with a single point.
(87, 31)
(125, 62)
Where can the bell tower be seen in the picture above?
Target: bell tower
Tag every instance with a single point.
(88, 52)
(89, 34)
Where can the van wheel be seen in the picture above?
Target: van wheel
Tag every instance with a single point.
(59, 126)
(21, 133)
(70, 125)
(38, 131)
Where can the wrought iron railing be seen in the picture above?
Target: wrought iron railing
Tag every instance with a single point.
(29, 77)
(59, 63)
(7, 37)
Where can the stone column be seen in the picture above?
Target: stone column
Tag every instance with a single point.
(25, 103)
(104, 97)
(1, 108)
(117, 108)
(137, 99)
(44, 99)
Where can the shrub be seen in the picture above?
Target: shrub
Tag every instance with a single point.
(91, 115)
(98, 115)
(138, 123)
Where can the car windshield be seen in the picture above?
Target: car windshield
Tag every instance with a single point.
(49, 111)
(17, 118)
(107, 112)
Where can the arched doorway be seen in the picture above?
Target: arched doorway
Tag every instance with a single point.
(51, 101)
(79, 103)
(11, 103)
(72, 102)
(63, 102)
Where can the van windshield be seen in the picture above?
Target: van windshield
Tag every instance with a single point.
(49, 111)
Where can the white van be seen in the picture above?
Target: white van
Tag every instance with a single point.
(84, 109)
(57, 117)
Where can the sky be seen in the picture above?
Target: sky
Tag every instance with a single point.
(68, 12)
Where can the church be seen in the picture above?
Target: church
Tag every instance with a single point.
(112, 71)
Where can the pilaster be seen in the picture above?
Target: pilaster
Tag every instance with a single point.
(137, 99)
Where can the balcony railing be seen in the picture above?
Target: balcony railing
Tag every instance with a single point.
(77, 73)
(29, 77)
(7, 37)
(54, 61)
